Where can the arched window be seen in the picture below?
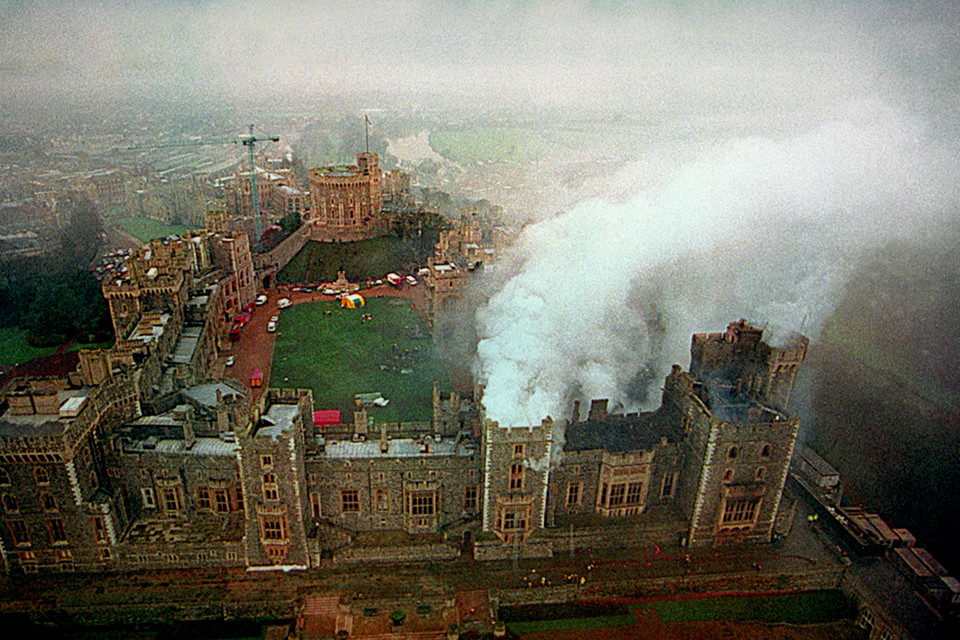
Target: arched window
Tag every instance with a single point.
(41, 475)
(733, 452)
(48, 501)
(761, 473)
(4, 477)
(10, 503)
(765, 451)
(728, 475)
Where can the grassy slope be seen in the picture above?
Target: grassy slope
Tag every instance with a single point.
(338, 356)
(364, 260)
(146, 229)
(15, 350)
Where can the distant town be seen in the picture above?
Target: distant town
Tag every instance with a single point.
(275, 407)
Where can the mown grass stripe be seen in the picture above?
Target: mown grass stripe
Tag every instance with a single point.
(806, 608)
(572, 623)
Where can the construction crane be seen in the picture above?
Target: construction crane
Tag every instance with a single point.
(249, 141)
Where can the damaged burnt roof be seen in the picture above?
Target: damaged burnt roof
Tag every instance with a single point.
(727, 403)
(630, 432)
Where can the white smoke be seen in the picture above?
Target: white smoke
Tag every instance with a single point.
(762, 228)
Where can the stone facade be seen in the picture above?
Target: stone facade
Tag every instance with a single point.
(349, 198)
(516, 477)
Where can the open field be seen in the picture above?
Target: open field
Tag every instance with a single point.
(146, 229)
(536, 141)
(363, 260)
(15, 350)
(334, 352)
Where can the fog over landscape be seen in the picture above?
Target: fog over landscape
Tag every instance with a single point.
(678, 165)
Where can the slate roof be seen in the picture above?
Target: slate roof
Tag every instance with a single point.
(630, 432)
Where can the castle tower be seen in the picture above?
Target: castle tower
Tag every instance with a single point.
(348, 199)
(739, 437)
(739, 359)
(272, 467)
(516, 474)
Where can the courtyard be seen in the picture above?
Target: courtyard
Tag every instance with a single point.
(383, 348)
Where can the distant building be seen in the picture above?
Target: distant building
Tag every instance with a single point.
(279, 192)
(471, 244)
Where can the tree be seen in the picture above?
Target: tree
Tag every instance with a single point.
(81, 237)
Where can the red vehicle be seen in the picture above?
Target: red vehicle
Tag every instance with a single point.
(235, 332)
(256, 378)
(242, 319)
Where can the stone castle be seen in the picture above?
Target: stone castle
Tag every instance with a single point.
(142, 457)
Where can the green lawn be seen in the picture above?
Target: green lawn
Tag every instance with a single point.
(146, 229)
(364, 260)
(805, 608)
(337, 355)
(816, 607)
(15, 350)
(566, 624)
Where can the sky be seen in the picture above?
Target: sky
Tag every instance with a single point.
(758, 60)
(784, 139)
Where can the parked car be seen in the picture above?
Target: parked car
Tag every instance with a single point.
(230, 361)
(261, 300)
(283, 303)
(271, 326)
(411, 281)
(274, 318)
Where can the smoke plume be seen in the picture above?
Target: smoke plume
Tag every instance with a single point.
(598, 301)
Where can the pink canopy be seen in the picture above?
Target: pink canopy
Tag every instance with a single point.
(325, 417)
